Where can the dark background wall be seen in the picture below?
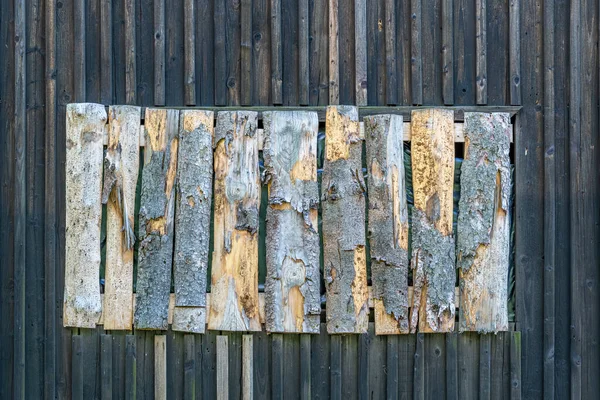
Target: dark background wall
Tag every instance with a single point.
(542, 55)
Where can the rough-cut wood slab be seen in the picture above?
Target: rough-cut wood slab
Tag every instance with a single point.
(121, 165)
(388, 223)
(432, 150)
(343, 208)
(234, 280)
(192, 219)
(85, 128)
(156, 219)
(292, 287)
(483, 231)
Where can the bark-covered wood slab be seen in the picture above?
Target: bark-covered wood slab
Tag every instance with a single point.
(234, 277)
(121, 166)
(192, 219)
(85, 130)
(157, 207)
(292, 287)
(483, 231)
(343, 209)
(432, 156)
(388, 223)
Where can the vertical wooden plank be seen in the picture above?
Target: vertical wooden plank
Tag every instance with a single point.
(90, 362)
(289, 45)
(292, 287)
(350, 382)
(220, 65)
(156, 219)
(363, 364)
(276, 54)
(205, 52)
(360, 51)
(464, 42)
(246, 86)
(189, 368)
(303, 53)
(415, 56)
(377, 360)
(497, 77)
(247, 367)
(261, 52)
(334, 68)
(392, 381)
(515, 52)
(448, 51)
(481, 51)
(261, 364)
(175, 84)
(419, 379)
(159, 53)
(291, 365)
(106, 373)
(130, 367)
(499, 389)
(406, 367)
(343, 204)
(468, 365)
(435, 366)
(319, 55)
(336, 367)
(434, 277)
(320, 376)
(403, 52)
(232, 46)
(235, 365)
(106, 49)
(85, 132)
(277, 389)
(431, 55)
(483, 230)
(452, 366)
(118, 338)
(346, 57)
(160, 367)
(145, 52)
(305, 367)
(175, 365)
(141, 361)
(388, 222)
(515, 365)
(79, 78)
(130, 53)
(209, 365)
(192, 219)
(234, 280)
(76, 369)
(189, 63)
(485, 365)
(391, 78)
(222, 390)
(121, 165)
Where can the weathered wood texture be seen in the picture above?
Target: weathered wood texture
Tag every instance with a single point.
(157, 208)
(192, 219)
(293, 280)
(432, 155)
(483, 231)
(234, 276)
(121, 166)
(387, 223)
(84, 131)
(343, 203)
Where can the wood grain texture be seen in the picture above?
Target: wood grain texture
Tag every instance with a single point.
(159, 53)
(246, 84)
(483, 231)
(121, 165)
(416, 61)
(343, 204)
(360, 51)
(334, 68)
(222, 389)
(130, 53)
(303, 53)
(192, 219)
(248, 367)
(515, 51)
(84, 131)
(481, 51)
(292, 287)
(448, 51)
(160, 367)
(432, 150)
(189, 63)
(387, 223)
(391, 67)
(157, 206)
(276, 54)
(234, 278)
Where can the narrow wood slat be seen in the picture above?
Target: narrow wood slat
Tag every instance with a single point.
(334, 68)
(448, 51)
(292, 287)
(83, 180)
(485, 365)
(160, 367)
(248, 367)
(468, 365)
(156, 219)
(435, 367)
(377, 356)
(336, 367)
(305, 367)
(360, 51)
(303, 52)
(481, 51)
(77, 368)
(209, 359)
(432, 147)
(189, 64)
(261, 52)
(118, 338)
(483, 231)
(388, 223)
(159, 53)
(234, 285)
(419, 377)
(319, 56)
(246, 84)
(276, 54)
(277, 366)
(392, 366)
(192, 219)
(106, 49)
(220, 48)
(106, 372)
(130, 53)
(121, 165)
(391, 76)
(222, 366)
(343, 211)
(515, 365)
(130, 367)
(79, 71)
(415, 53)
(515, 52)
(189, 368)
(452, 366)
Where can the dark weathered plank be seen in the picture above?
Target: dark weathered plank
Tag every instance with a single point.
(515, 51)
(276, 53)
(334, 67)
(416, 53)
(289, 47)
(468, 365)
(346, 56)
(159, 53)
(106, 55)
(305, 367)
(291, 366)
(419, 368)
(144, 52)
(360, 51)
(392, 367)
(91, 364)
(320, 362)
(261, 52)
(189, 63)
(205, 51)
(435, 366)
(319, 57)
(209, 365)
(335, 385)
(485, 365)
(515, 366)
(189, 367)
(174, 53)
(130, 367)
(106, 371)
(377, 359)
(406, 361)
(448, 51)
(303, 53)
(277, 366)
(118, 367)
(79, 77)
(130, 53)
(262, 365)
(246, 84)
(452, 366)
(391, 78)
(431, 55)
(350, 382)
(481, 51)
(175, 365)
(235, 365)
(77, 368)
(464, 51)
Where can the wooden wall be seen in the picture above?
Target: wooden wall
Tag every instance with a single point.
(541, 55)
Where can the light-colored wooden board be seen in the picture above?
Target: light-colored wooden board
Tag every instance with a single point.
(222, 367)
(160, 367)
(247, 367)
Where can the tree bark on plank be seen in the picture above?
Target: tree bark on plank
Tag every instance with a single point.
(483, 232)
(121, 166)
(292, 288)
(434, 276)
(192, 219)
(388, 223)
(156, 219)
(343, 209)
(85, 127)
(234, 278)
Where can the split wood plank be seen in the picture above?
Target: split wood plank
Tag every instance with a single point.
(236, 202)
(292, 287)
(483, 231)
(192, 219)
(433, 304)
(388, 223)
(121, 166)
(343, 209)
(160, 367)
(156, 219)
(83, 179)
